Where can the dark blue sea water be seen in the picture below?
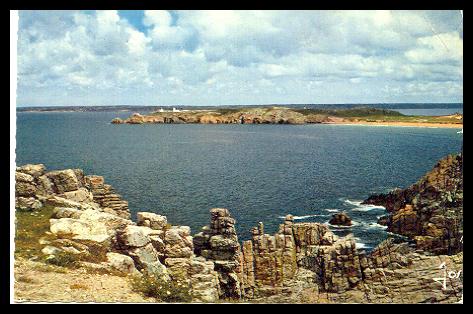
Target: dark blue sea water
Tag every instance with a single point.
(259, 172)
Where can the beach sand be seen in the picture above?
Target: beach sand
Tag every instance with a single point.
(402, 124)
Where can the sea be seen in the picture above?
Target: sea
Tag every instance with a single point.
(259, 172)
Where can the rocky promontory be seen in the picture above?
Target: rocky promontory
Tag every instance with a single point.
(250, 116)
(430, 212)
(91, 225)
(287, 115)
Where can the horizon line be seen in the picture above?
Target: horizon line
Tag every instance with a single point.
(270, 104)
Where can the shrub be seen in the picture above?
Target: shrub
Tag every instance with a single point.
(63, 259)
(161, 289)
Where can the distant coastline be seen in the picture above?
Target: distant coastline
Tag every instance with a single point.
(129, 108)
(288, 115)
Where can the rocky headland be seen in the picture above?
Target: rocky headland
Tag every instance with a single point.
(91, 227)
(430, 212)
(284, 115)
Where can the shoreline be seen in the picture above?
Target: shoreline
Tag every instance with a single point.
(402, 124)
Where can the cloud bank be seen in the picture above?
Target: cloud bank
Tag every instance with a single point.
(239, 57)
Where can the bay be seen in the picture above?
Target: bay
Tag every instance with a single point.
(258, 172)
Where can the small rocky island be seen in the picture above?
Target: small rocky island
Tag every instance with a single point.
(90, 227)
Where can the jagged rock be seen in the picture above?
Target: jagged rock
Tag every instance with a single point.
(66, 212)
(56, 201)
(80, 230)
(71, 246)
(50, 250)
(23, 177)
(32, 170)
(383, 220)
(104, 195)
(338, 265)
(204, 280)
(151, 220)
(136, 118)
(300, 259)
(117, 121)
(45, 186)
(90, 227)
(121, 263)
(111, 222)
(23, 188)
(219, 243)
(136, 236)
(80, 195)
(340, 219)
(64, 180)
(431, 210)
(27, 203)
(147, 259)
(178, 242)
(80, 176)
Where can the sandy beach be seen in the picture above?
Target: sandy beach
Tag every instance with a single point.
(403, 124)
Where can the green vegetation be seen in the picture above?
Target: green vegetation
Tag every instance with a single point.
(275, 114)
(30, 228)
(355, 112)
(161, 289)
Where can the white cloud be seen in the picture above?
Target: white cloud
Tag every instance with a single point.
(213, 57)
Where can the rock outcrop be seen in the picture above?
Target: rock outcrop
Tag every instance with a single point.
(340, 219)
(91, 226)
(302, 262)
(430, 211)
(218, 242)
(274, 115)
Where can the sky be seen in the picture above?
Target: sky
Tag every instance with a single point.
(238, 57)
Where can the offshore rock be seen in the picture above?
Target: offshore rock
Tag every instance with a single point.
(340, 219)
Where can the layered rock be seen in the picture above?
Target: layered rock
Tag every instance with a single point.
(104, 195)
(430, 211)
(219, 243)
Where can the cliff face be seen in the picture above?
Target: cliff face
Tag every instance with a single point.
(430, 211)
(302, 262)
(252, 116)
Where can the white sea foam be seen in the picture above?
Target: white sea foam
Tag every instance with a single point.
(359, 207)
(354, 203)
(332, 210)
(361, 245)
(303, 217)
(367, 208)
(374, 225)
(353, 224)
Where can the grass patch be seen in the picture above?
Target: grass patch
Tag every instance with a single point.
(346, 113)
(30, 227)
(156, 287)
